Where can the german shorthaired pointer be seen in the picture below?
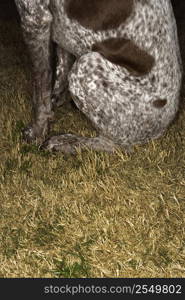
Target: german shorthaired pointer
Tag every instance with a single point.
(120, 60)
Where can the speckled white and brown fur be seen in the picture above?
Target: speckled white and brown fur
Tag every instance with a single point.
(126, 107)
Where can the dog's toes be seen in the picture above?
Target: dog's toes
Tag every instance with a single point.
(28, 134)
(64, 143)
(33, 133)
(50, 145)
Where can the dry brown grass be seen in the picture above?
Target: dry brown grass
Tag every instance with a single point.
(90, 215)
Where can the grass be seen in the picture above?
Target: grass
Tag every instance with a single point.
(89, 215)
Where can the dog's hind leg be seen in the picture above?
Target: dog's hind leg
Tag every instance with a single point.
(124, 111)
(36, 24)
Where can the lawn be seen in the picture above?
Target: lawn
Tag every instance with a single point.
(89, 215)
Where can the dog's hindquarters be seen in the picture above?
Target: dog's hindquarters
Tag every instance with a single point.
(121, 108)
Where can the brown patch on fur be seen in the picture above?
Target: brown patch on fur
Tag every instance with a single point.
(159, 103)
(126, 54)
(99, 14)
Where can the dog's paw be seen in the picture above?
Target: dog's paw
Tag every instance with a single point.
(66, 143)
(28, 134)
(33, 133)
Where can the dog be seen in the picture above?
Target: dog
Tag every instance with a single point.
(120, 61)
